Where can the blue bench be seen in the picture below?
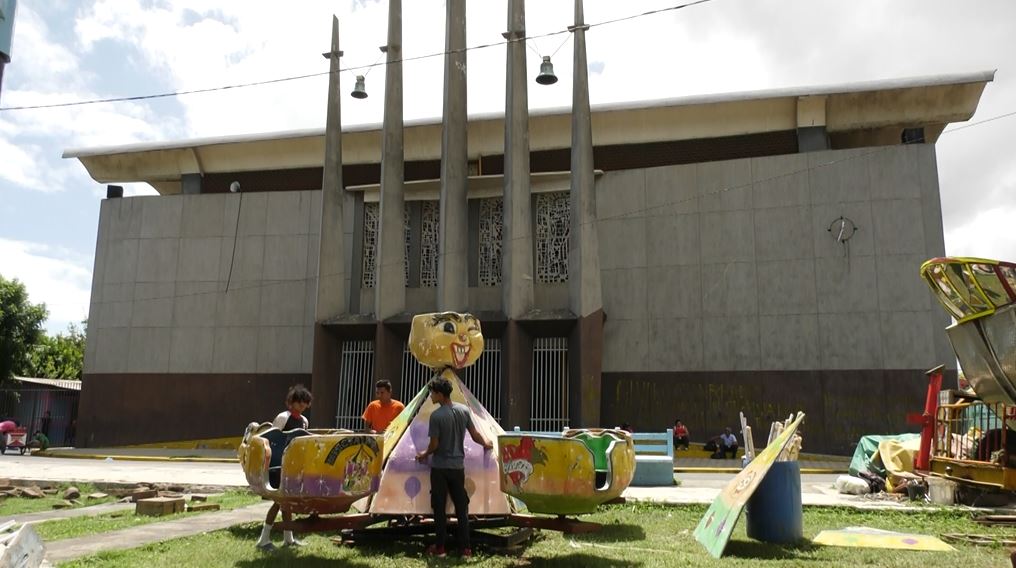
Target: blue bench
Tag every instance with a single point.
(654, 459)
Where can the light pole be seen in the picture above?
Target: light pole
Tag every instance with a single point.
(7, 9)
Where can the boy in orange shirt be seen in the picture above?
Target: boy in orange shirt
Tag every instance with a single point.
(381, 412)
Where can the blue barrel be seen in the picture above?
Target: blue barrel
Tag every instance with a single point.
(774, 510)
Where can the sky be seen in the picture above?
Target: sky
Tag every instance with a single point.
(69, 50)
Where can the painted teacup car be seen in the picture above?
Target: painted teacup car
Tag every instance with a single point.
(567, 473)
(311, 471)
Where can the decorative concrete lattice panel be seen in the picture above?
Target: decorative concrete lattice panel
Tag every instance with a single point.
(430, 221)
(553, 218)
(491, 233)
(370, 234)
(371, 218)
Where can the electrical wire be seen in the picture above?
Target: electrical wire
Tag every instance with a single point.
(324, 73)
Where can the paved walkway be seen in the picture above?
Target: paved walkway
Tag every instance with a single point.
(71, 548)
(42, 516)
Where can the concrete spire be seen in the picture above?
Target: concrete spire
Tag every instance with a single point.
(583, 254)
(517, 261)
(390, 281)
(452, 264)
(332, 276)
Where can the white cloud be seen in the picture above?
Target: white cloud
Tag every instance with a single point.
(57, 277)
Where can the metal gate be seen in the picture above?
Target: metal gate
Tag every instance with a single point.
(549, 411)
(483, 378)
(356, 385)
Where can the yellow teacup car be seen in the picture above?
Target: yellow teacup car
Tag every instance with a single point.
(311, 471)
(567, 473)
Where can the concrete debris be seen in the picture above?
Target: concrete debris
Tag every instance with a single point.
(71, 493)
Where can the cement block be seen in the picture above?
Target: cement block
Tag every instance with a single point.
(621, 194)
(671, 190)
(787, 287)
(157, 260)
(280, 349)
(730, 343)
(550, 295)
(236, 350)
(729, 288)
(624, 293)
(192, 350)
(121, 261)
(111, 314)
(161, 216)
(149, 350)
(839, 176)
(159, 506)
(783, 233)
(288, 213)
(898, 226)
(900, 287)
(846, 284)
(122, 218)
(253, 210)
(197, 303)
(285, 257)
(724, 186)
(313, 254)
(625, 345)
(850, 341)
(895, 172)
(908, 341)
(153, 304)
(674, 291)
(310, 301)
(622, 243)
(675, 344)
(780, 181)
(673, 240)
(789, 342)
(240, 304)
(315, 212)
(118, 292)
(111, 350)
(246, 262)
(204, 216)
(728, 236)
(482, 298)
(283, 302)
(199, 259)
(826, 228)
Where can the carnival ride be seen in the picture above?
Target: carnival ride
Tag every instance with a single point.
(366, 479)
(972, 442)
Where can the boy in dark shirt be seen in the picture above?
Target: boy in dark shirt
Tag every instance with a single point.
(448, 427)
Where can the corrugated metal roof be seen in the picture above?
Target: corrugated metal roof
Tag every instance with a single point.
(58, 383)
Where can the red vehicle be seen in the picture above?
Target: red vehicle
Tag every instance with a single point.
(15, 439)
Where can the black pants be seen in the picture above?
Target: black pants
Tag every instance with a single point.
(681, 441)
(445, 482)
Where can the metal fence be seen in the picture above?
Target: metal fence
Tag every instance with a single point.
(483, 378)
(51, 411)
(356, 385)
(550, 385)
(974, 432)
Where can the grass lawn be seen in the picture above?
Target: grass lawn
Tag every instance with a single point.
(23, 505)
(633, 535)
(80, 526)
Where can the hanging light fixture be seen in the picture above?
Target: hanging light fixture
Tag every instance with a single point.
(359, 90)
(546, 76)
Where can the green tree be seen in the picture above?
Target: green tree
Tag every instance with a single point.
(20, 326)
(60, 357)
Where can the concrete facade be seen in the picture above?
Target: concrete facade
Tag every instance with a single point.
(181, 285)
(755, 253)
(731, 265)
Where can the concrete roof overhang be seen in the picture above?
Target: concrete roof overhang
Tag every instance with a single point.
(855, 114)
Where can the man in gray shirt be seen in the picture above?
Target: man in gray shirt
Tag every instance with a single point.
(448, 426)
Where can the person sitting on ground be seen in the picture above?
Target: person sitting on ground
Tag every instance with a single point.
(725, 442)
(680, 435)
(298, 400)
(39, 441)
(380, 413)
